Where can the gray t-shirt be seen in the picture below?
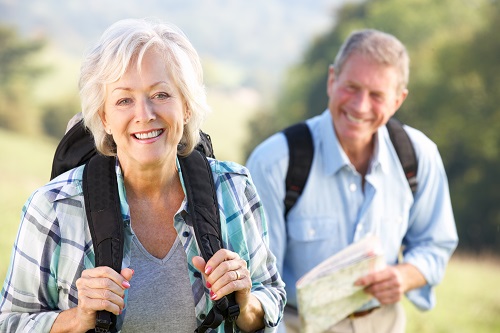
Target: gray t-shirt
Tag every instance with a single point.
(160, 298)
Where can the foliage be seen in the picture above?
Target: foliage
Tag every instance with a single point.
(56, 115)
(25, 165)
(17, 75)
(454, 84)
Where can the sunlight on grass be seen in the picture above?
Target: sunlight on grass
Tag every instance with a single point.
(468, 300)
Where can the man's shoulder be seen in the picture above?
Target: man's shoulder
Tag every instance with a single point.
(271, 151)
(421, 142)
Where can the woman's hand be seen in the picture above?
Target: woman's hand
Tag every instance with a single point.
(225, 273)
(99, 288)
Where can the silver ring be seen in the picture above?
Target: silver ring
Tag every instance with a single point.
(237, 275)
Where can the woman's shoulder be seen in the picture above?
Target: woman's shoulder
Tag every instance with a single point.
(66, 185)
(224, 168)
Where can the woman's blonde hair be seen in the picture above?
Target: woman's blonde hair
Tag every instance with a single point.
(126, 41)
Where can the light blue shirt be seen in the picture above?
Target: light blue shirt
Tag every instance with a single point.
(334, 210)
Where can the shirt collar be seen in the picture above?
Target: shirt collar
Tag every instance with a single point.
(334, 157)
(381, 154)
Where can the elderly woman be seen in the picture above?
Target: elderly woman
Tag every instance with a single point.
(143, 100)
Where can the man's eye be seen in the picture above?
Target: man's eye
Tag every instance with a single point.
(377, 97)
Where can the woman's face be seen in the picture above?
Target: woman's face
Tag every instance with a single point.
(145, 113)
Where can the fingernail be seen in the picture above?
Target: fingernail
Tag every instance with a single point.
(126, 284)
(209, 285)
(133, 272)
(208, 270)
(212, 295)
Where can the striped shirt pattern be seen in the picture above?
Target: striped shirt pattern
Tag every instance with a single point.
(54, 246)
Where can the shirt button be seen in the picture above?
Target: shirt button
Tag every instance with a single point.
(352, 187)
(359, 227)
(185, 233)
(311, 232)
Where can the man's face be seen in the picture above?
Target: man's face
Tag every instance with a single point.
(362, 98)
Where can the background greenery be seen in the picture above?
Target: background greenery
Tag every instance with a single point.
(468, 300)
(454, 95)
(265, 66)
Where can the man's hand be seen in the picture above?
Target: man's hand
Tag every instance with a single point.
(389, 285)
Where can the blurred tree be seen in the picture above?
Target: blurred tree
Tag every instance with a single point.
(55, 116)
(454, 99)
(463, 112)
(17, 76)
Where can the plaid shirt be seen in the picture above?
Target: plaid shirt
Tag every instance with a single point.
(54, 246)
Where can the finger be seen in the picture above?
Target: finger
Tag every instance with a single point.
(106, 272)
(199, 263)
(373, 278)
(225, 272)
(231, 282)
(219, 258)
(127, 273)
(103, 283)
(387, 297)
(89, 304)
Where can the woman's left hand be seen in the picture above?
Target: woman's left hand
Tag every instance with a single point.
(225, 273)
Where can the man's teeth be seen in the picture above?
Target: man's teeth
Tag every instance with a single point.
(356, 120)
(149, 135)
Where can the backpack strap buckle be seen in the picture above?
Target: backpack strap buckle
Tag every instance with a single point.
(233, 312)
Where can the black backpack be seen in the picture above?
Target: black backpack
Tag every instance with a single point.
(102, 207)
(301, 153)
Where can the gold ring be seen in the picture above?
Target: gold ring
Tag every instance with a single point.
(237, 275)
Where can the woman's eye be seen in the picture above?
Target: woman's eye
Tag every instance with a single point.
(161, 95)
(124, 101)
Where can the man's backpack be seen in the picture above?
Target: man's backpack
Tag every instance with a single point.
(102, 207)
(301, 153)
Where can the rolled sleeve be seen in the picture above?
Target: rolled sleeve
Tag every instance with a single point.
(432, 235)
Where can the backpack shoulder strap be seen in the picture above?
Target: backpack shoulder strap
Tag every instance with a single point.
(204, 211)
(301, 153)
(404, 149)
(102, 206)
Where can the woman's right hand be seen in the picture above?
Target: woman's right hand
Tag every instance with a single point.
(99, 288)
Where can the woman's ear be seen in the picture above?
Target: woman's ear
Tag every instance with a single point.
(102, 115)
(187, 114)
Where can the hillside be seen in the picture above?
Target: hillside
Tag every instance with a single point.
(261, 38)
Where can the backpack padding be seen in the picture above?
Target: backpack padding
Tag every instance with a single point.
(100, 190)
(404, 148)
(301, 153)
(204, 212)
(75, 148)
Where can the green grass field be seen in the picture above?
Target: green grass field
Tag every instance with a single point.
(468, 300)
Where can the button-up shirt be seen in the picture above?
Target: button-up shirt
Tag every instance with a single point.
(337, 209)
(54, 246)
